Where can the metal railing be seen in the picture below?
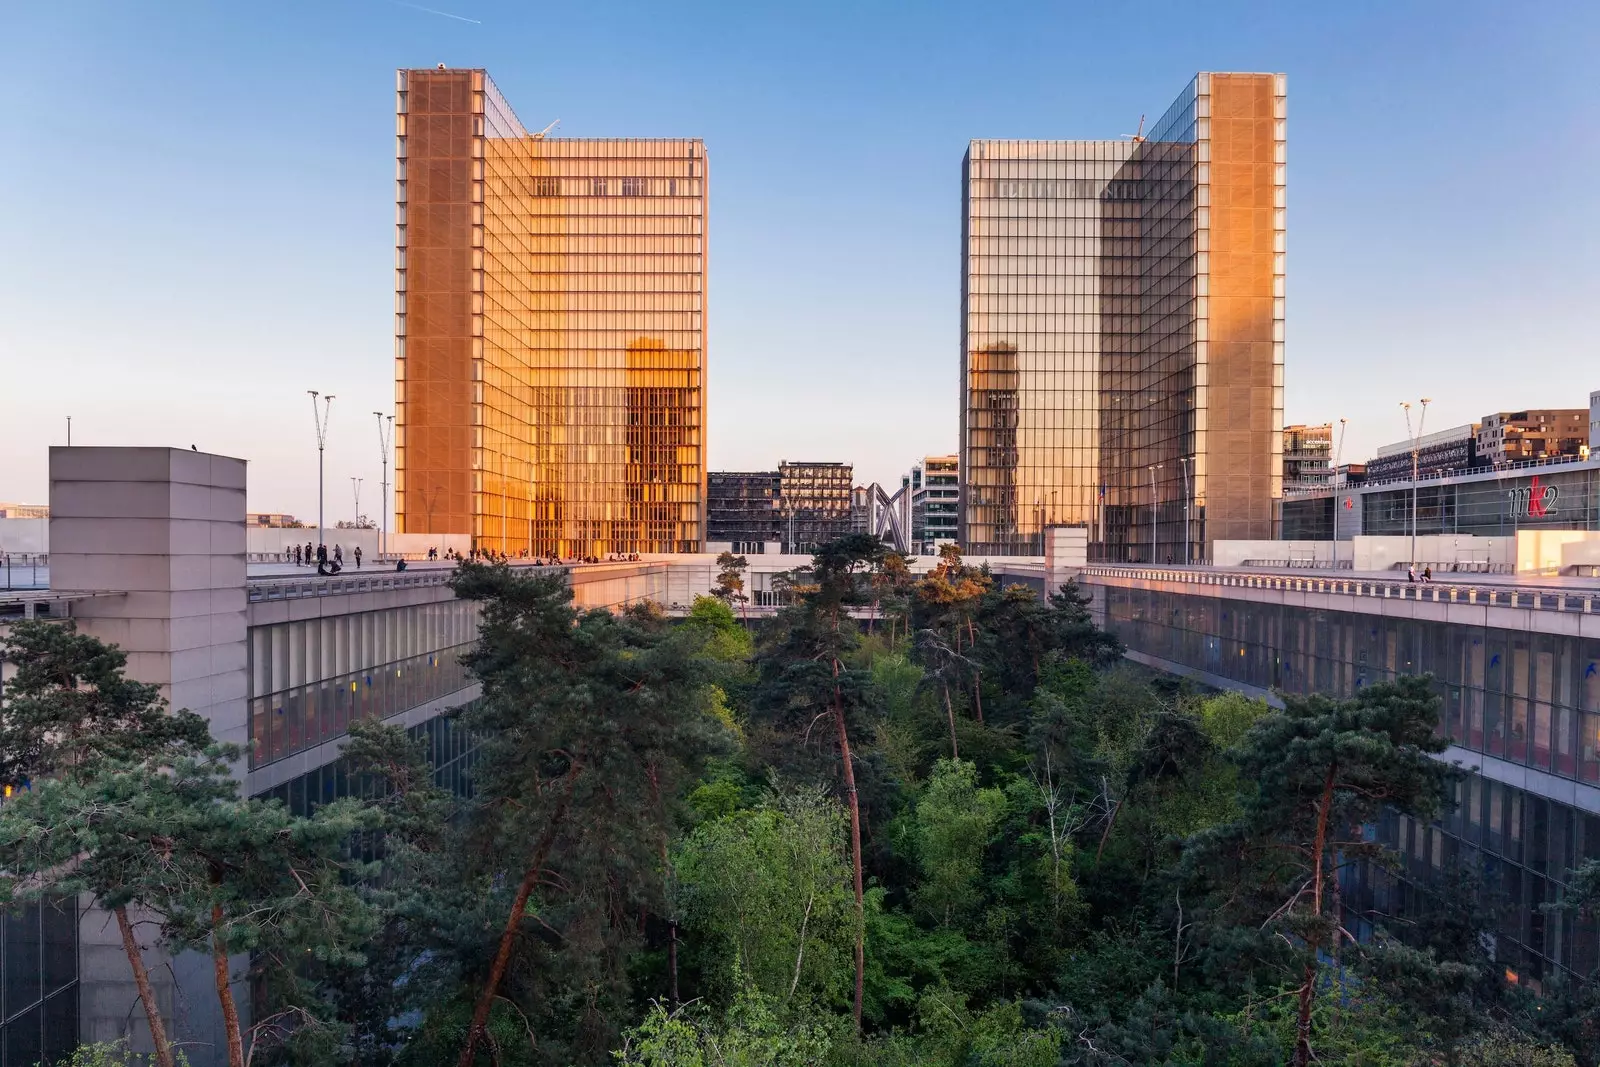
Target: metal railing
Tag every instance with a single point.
(1538, 598)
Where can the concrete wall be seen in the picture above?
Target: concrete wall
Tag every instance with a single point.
(24, 536)
(1546, 551)
(166, 528)
(1389, 552)
(1584, 553)
(1234, 553)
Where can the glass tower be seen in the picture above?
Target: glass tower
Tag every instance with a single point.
(1122, 331)
(550, 312)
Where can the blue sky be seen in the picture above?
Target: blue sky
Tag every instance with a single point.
(196, 219)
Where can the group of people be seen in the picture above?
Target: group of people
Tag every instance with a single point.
(1411, 573)
(489, 555)
(321, 558)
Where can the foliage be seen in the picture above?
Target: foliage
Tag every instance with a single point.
(752, 1033)
(767, 893)
(593, 727)
(930, 820)
(112, 1054)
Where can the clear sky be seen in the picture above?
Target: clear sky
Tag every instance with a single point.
(196, 220)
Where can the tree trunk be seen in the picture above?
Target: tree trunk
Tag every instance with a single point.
(1302, 1044)
(855, 843)
(977, 695)
(950, 712)
(147, 996)
(508, 937)
(672, 961)
(230, 1013)
(1110, 823)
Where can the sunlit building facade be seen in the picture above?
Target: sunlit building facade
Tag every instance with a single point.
(550, 315)
(1122, 330)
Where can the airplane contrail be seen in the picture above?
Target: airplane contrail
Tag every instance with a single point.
(435, 11)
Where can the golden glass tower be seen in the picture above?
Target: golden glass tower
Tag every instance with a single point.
(550, 311)
(1122, 321)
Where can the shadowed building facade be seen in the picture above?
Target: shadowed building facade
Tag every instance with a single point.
(549, 329)
(1122, 330)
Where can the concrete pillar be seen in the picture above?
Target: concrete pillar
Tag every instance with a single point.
(164, 527)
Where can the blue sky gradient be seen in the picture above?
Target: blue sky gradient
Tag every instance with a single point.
(196, 217)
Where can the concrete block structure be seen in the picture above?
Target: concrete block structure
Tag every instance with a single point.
(166, 528)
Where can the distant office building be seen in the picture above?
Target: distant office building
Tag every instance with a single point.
(742, 509)
(1455, 449)
(935, 502)
(1594, 422)
(1513, 436)
(1307, 456)
(549, 329)
(1351, 474)
(1123, 316)
(271, 520)
(814, 503)
(24, 511)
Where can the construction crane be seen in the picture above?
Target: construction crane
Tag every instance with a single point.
(1137, 137)
(542, 134)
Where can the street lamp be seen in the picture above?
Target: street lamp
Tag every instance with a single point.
(1416, 451)
(320, 420)
(1153, 468)
(1338, 455)
(355, 487)
(385, 436)
(1183, 463)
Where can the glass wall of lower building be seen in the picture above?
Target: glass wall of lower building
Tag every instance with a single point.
(1530, 699)
(309, 678)
(450, 750)
(1520, 845)
(1489, 506)
(39, 983)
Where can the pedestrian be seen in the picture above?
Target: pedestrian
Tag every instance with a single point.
(338, 554)
(297, 555)
(358, 557)
(322, 554)
(1427, 573)
(1411, 573)
(308, 553)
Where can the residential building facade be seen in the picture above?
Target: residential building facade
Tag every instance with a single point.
(1307, 457)
(1515, 436)
(1122, 330)
(550, 307)
(935, 503)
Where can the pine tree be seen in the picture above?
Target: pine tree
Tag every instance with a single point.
(592, 724)
(68, 712)
(1318, 771)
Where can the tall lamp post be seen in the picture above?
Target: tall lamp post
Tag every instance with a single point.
(1183, 463)
(1153, 468)
(1416, 452)
(1333, 478)
(385, 436)
(320, 419)
(355, 487)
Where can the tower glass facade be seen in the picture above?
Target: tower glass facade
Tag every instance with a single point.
(550, 329)
(1122, 349)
